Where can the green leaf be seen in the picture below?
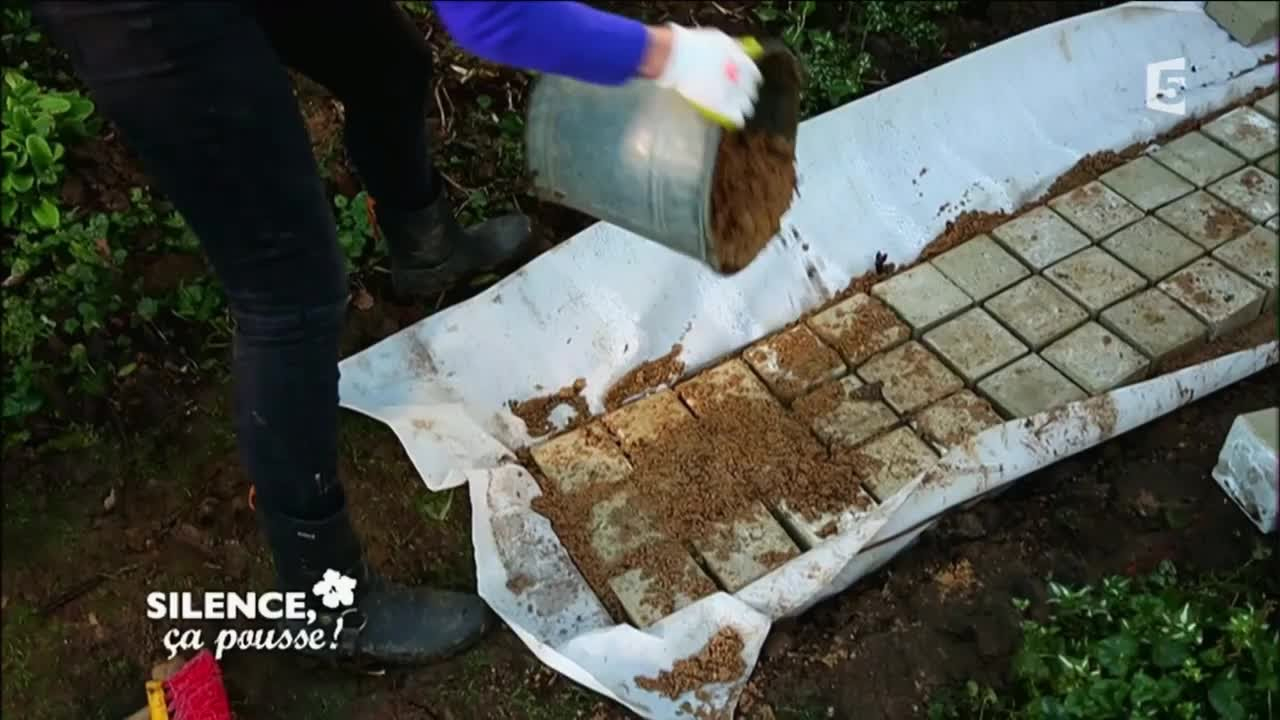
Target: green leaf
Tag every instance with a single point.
(1224, 696)
(40, 152)
(148, 308)
(1168, 654)
(127, 370)
(1116, 653)
(53, 104)
(46, 214)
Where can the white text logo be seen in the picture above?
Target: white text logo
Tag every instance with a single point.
(1165, 82)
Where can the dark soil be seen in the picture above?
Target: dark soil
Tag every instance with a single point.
(755, 181)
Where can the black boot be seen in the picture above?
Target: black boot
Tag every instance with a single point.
(431, 253)
(387, 624)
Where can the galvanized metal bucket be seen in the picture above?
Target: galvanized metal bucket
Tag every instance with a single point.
(641, 157)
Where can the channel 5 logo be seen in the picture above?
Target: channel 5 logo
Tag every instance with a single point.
(1165, 82)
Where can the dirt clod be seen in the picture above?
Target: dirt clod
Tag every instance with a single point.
(754, 183)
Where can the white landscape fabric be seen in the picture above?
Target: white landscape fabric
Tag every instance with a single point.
(989, 131)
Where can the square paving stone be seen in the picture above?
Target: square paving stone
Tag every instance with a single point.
(794, 361)
(1096, 209)
(1205, 219)
(950, 422)
(846, 412)
(1146, 183)
(1250, 191)
(1245, 131)
(618, 528)
(1096, 359)
(1255, 255)
(922, 296)
(974, 344)
(1152, 248)
(1029, 386)
(1037, 311)
(1273, 224)
(582, 457)
(730, 380)
(1152, 322)
(1040, 238)
(1196, 157)
(1267, 105)
(1271, 163)
(1095, 279)
(892, 460)
(810, 528)
(744, 550)
(641, 422)
(980, 267)
(859, 327)
(912, 377)
(647, 597)
(1217, 295)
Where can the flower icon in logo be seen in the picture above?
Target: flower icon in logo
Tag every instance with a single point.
(335, 589)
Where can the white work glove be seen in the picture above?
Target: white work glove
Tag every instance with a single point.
(714, 72)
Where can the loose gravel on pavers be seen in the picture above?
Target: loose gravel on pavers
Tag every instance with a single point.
(721, 478)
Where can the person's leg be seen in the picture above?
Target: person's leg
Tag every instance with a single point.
(370, 55)
(204, 101)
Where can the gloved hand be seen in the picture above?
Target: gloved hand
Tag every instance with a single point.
(714, 72)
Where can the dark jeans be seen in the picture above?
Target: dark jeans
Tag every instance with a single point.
(201, 94)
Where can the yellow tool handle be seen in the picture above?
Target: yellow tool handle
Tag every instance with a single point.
(155, 700)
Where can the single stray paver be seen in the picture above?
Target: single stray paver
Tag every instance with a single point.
(1196, 157)
(1250, 191)
(1096, 359)
(793, 361)
(742, 551)
(1205, 219)
(1029, 386)
(980, 267)
(1152, 248)
(638, 423)
(580, 458)
(1256, 255)
(1217, 295)
(1037, 311)
(618, 527)
(647, 599)
(846, 412)
(1152, 322)
(1146, 183)
(731, 380)
(1096, 209)
(911, 377)
(892, 460)
(1040, 237)
(1271, 163)
(1095, 279)
(859, 327)
(923, 296)
(1268, 105)
(951, 421)
(1245, 131)
(974, 344)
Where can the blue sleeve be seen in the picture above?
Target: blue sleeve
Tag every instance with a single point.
(559, 38)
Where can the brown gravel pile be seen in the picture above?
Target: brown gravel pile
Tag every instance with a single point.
(754, 184)
(645, 377)
(536, 412)
(719, 661)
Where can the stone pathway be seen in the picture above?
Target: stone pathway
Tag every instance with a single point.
(1076, 298)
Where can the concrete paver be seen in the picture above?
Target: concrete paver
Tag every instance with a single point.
(741, 552)
(1096, 210)
(1245, 131)
(1271, 163)
(1268, 105)
(730, 380)
(582, 457)
(794, 361)
(1037, 311)
(1153, 248)
(922, 296)
(1029, 386)
(1196, 157)
(1251, 191)
(912, 377)
(892, 460)
(811, 528)
(974, 344)
(638, 423)
(1152, 322)
(1040, 238)
(980, 267)
(859, 327)
(644, 598)
(1095, 279)
(1205, 219)
(843, 413)
(618, 527)
(1255, 255)
(951, 421)
(1216, 295)
(1096, 359)
(1146, 183)
(1273, 224)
